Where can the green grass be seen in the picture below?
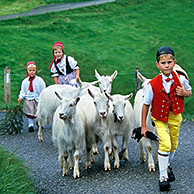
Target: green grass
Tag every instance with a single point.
(8, 7)
(14, 177)
(121, 35)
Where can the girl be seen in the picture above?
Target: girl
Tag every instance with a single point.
(30, 91)
(64, 69)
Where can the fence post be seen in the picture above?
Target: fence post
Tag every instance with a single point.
(137, 81)
(7, 84)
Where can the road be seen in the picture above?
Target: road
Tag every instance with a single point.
(132, 177)
(55, 8)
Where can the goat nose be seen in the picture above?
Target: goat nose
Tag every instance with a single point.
(61, 116)
(103, 114)
(121, 117)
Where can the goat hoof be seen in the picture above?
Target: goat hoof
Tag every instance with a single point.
(152, 169)
(96, 153)
(87, 167)
(40, 140)
(65, 174)
(107, 169)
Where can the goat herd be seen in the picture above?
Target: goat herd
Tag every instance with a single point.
(86, 115)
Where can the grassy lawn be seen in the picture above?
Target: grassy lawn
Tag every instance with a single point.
(8, 7)
(121, 35)
(13, 175)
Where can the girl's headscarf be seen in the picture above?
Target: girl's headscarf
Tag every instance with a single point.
(54, 45)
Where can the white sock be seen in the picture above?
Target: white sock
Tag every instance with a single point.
(30, 122)
(170, 158)
(163, 163)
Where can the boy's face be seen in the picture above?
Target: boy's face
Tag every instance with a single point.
(58, 53)
(166, 64)
(31, 71)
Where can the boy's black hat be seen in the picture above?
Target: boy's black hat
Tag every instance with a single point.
(164, 50)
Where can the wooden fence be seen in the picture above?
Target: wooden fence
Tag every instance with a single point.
(7, 83)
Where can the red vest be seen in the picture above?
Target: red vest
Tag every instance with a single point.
(162, 102)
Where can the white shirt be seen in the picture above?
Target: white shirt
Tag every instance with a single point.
(62, 66)
(38, 85)
(148, 94)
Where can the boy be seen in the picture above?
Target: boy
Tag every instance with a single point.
(64, 69)
(166, 94)
(30, 91)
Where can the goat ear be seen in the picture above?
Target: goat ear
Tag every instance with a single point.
(128, 97)
(90, 93)
(141, 77)
(58, 95)
(108, 96)
(94, 82)
(77, 100)
(114, 75)
(97, 75)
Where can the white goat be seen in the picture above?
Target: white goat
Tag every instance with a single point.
(120, 123)
(95, 110)
(68, 133)
(144, 142)
(105, 85)
(48, 102)
(104, 82)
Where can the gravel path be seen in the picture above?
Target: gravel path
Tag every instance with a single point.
(131, 178)
(55, 8)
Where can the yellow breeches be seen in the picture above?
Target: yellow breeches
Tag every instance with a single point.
(168, 133)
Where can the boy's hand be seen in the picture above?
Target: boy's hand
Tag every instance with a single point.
(144, 130)
(180, 91)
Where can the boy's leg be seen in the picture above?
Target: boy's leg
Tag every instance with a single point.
(163, 153)
(174, 123)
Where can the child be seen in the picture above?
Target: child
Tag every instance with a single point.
(64, 69)
(166, 94)
(31, 88)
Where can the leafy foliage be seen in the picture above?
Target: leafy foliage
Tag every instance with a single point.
(12, 122)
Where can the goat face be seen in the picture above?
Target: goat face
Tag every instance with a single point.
(67, 106)
(105, 82)
(119, 108)
(101, 103)
(119, 103)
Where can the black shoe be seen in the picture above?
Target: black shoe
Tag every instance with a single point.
(171, 176)
(31, 129)
(164, 184)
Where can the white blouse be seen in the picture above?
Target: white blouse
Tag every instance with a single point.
(38, 86)
(62, 66)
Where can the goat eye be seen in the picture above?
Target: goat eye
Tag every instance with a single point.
(110, 82)
(95, 103)
(99, 82)
(71, 105)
